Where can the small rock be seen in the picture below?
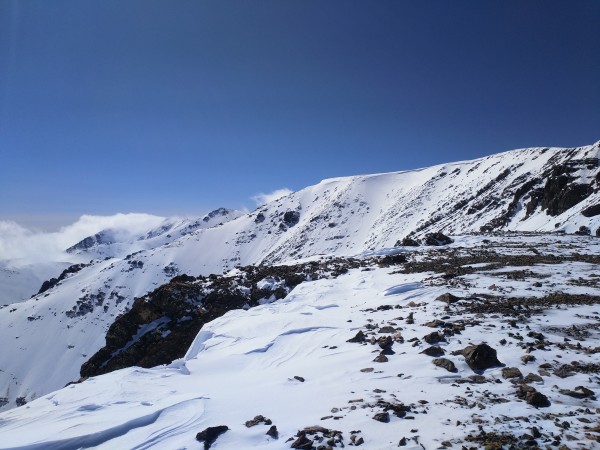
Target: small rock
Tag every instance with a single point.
(210, 435)
(445, 364)
(434, 338)
(527, 358)
(402, 442)
(381, 359)
(273, 432)
(300, 379)
(302, 443)
(358, 338)
(578, 392)
(382, 417)
(448, 298)
(258, 419)
(532, 396)
(437, 239)
(511, 372)
(385, 342)
(387, 329)
(434, 350)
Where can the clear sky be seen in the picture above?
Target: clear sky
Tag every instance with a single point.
(177, 107)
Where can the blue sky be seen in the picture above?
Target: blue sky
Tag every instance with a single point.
(179, 107)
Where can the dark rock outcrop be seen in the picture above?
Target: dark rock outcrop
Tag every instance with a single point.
(437, 239)
(162, 325)
(210, 435)
(49, 284)
(408, 242)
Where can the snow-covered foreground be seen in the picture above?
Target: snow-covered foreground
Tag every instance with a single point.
(290, 362)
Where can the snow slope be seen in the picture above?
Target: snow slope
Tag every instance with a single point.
(290, 361)
(63, 327)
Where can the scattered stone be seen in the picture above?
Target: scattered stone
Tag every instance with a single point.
(434, 350)
(527, 358)
(402, 442)
(381, 359)
(359, 441)
(532, 396)
(434, 338)
(367, 369)
(480, 357)
(533, 378)
(300, 379)
(437, 239)
(210, 435)
(302, 443)
(273, 432)
(385, 342)
(382, 417)
(408, 242)
(511, 372)
(579, 392)
(358, 338)
(258, 419)
(387, 329)
(448, 298)
(445, 364)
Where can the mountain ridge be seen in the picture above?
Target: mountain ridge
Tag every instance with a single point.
(344, 216)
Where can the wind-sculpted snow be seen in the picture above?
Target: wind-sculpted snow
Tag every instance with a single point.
(341, 357)
(63, 327)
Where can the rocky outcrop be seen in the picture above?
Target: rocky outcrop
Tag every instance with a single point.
(161, 326)
(49, 284)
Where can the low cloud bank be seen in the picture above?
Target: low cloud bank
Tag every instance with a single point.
(261, 199)
(21, 246)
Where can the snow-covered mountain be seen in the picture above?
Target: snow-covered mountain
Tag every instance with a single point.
(51, 335)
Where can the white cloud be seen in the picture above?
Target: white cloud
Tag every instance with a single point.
(24, 246)
(261, 199)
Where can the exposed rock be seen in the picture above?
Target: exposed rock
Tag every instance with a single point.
(532, 396)
(210, 435)
(258, 419)
(434, 350)
(445, 364)
(358, 338)
(385, 342)
(382, 417)
(381, 359)
(300, 379)
(302, 443)
(480, 357)
(49, 284)
(578, 392)
(434, 338)
(511, 372)
(273, 432)
(291, 218)
(437, 239)
(448, 298)
(407, 242)
(591, 211)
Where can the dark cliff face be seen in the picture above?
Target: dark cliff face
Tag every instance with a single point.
(161, 326)
(561, 192)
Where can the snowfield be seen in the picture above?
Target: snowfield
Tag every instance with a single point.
(290, 362)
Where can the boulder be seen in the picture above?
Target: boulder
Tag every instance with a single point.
(480, 357)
